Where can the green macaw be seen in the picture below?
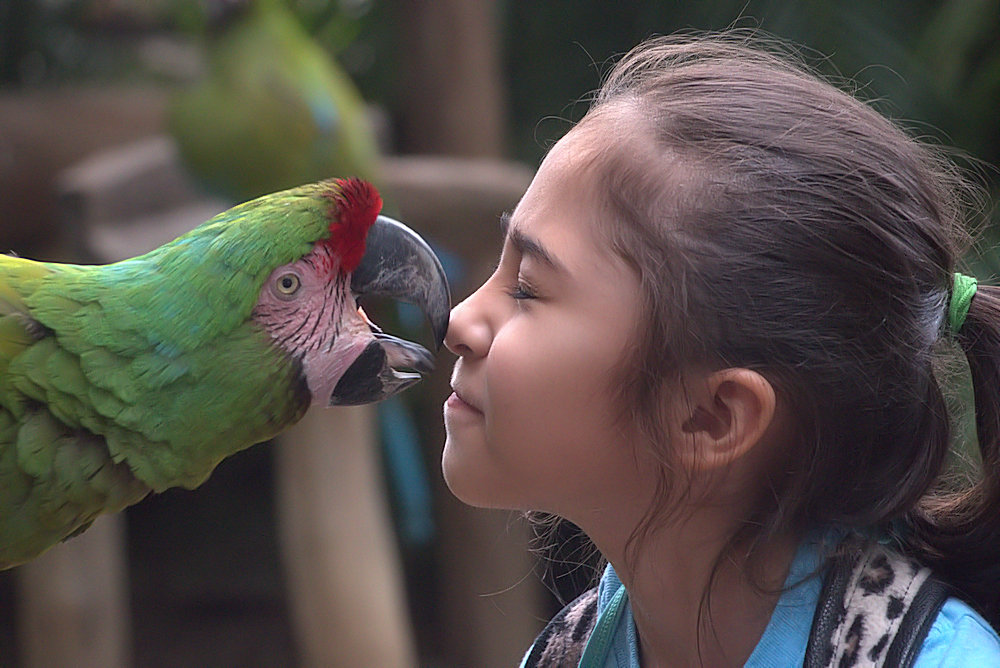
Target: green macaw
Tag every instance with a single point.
(273, 111)
(121, 379)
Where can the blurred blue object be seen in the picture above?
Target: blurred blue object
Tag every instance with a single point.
(408, 480)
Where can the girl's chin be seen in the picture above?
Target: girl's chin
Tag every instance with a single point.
(464, 476)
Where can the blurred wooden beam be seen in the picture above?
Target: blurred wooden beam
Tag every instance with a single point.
(456, 201)
(74, 602)
(46, 130)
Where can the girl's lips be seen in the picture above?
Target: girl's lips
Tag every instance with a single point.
(457, 402)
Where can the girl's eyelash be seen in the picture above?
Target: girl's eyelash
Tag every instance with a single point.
(521, 291)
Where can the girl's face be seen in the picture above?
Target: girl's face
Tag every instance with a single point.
(532, 423)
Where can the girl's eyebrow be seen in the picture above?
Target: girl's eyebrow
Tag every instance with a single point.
(526, 245)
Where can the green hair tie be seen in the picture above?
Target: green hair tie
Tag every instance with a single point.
(963, 289)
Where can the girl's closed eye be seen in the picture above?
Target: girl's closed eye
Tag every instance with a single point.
(522, 290)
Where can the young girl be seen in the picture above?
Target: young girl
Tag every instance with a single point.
(711, 343)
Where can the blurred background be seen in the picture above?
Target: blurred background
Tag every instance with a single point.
(126, 122)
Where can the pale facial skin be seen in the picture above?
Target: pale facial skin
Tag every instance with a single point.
(313, 316)
(538, 346)
(532, 424)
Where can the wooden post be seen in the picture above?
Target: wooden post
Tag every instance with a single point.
(74, 602)
(452, 83)
(347, 595)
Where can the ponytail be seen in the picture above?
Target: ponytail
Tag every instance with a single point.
(957, 532)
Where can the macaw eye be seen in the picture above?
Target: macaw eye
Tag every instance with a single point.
(287, 285)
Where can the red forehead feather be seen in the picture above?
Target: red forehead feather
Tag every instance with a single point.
(356, 205)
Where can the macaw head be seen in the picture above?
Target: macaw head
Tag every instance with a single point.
(295, 263)
(309, 306)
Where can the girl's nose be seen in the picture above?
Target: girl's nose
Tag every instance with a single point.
(469, 332)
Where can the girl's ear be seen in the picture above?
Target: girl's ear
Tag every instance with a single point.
(726, 417)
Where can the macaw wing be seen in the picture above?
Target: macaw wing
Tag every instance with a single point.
(56, 476)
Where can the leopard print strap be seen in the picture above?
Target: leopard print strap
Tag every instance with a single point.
(875, 609)
(562, 641)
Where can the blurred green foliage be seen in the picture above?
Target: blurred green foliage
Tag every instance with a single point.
(936, 62)
(933, 65)
(48, 41)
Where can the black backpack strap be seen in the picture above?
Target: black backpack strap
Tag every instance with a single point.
(830, 613)
(562, 641)
(918, 621)
(875, 609)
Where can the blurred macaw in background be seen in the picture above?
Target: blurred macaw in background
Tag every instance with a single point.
(274, 110)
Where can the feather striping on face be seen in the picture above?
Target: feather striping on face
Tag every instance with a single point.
(309, 306)
(308, 309)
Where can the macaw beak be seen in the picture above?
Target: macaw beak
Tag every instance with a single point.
(400, 265)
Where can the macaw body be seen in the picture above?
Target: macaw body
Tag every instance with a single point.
(121, 379)
(273, 111)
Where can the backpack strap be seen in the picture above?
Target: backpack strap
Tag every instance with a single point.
(875, 609)
(918, 621)
(562, 641)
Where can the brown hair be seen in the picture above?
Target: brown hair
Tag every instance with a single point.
(779, 224)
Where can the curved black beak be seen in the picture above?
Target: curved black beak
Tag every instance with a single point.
(398, 264)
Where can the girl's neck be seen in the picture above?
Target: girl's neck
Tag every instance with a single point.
(677, 624)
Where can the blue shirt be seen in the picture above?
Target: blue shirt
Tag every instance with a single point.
(959, 637)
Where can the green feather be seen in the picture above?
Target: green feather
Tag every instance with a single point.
(34, 443)
(144, 374)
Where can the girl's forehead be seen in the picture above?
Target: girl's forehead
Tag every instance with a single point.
(575, 152)
(615, 137)
(576, 162)
(614, 124)
(599, 132)
(565, 204)
(565, 179)
(591, 158)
